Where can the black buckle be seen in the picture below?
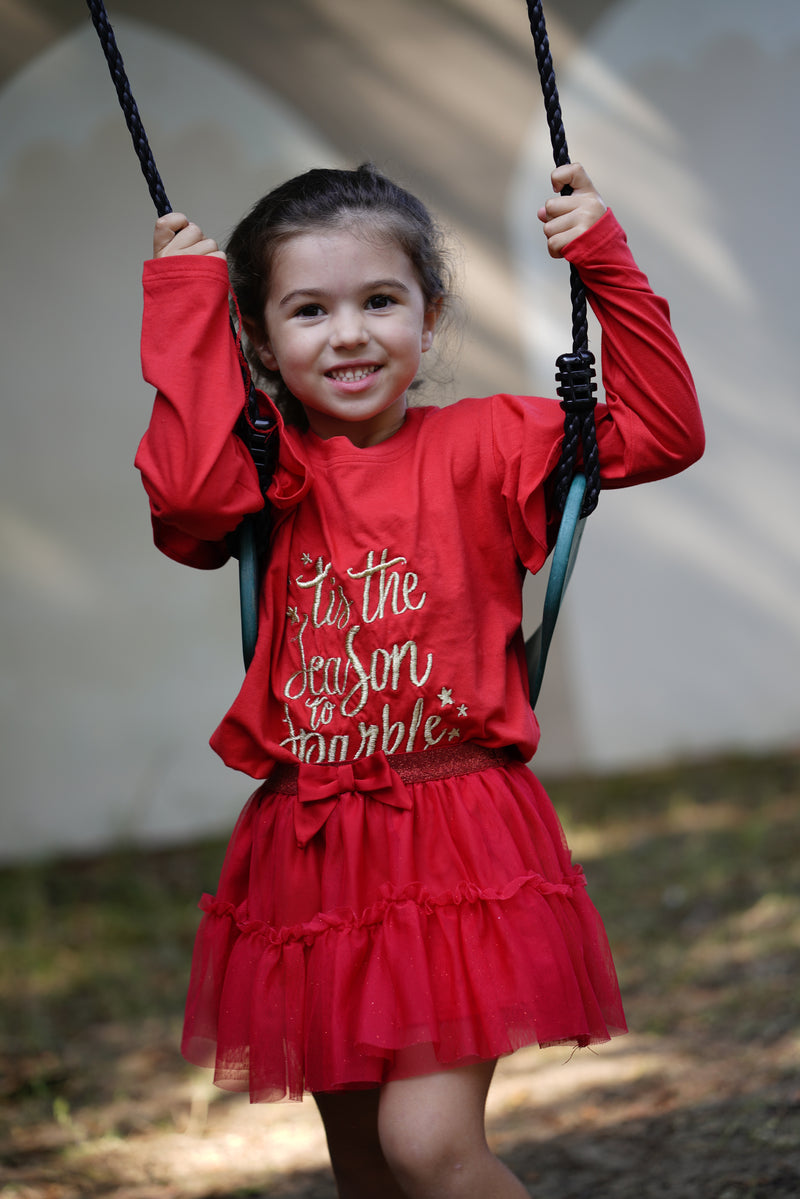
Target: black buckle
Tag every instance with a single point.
(262, 449)
(575, 375)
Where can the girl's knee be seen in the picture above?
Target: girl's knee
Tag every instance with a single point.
(427, 1162)
(431, 1130)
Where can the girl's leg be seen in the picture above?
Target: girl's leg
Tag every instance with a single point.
(351, 1127)
(432, 1133)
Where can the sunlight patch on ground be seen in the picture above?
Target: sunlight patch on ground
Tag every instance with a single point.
(684, 817)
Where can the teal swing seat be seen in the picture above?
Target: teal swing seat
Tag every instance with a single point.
(249, 574)
(562, 563)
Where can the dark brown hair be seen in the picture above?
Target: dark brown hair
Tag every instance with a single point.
(329, 199)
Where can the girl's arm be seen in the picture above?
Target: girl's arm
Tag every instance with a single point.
(650, 426)
(198, 474)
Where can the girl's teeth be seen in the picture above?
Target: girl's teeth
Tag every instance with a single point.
(352, 376)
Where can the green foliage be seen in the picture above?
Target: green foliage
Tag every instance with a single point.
(696, 872)
(92, 941)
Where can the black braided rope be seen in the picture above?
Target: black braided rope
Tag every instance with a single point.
(128, 105)
(254, 429)
(579, 426)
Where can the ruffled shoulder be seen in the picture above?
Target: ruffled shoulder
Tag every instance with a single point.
(517, 440)
(526, 438)
(293, 474)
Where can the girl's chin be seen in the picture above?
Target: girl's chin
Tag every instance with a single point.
(361, 425)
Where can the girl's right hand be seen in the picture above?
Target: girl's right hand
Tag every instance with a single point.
(175, 234)
(566, 217)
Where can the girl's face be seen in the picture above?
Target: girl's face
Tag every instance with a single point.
(346, 325)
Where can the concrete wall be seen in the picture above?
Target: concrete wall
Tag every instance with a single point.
(682, 629)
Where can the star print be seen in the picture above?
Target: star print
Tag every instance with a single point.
(293, 615)
(453, 735)
(462, 709)
(306, 559)
(445, 696)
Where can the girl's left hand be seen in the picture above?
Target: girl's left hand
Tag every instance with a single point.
(175, 234)
(566, 217)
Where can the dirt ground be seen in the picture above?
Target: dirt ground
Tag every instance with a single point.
(646, 1116)
(697, 875)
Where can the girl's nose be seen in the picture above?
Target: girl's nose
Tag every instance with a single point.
(348, 329)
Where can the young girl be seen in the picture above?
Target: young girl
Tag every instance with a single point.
(398, 906)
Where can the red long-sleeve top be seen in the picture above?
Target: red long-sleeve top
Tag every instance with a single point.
(390, 607)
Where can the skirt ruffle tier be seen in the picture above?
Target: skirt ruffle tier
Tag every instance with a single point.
(396, 943)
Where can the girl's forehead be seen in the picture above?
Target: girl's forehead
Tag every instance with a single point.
(343, 252)
(356, 237)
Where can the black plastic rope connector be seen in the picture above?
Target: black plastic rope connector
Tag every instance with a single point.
(263, 446)
(577, 395)
(259, 433)
(251, 537)
(576, 386)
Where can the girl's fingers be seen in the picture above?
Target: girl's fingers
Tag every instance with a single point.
(586, 199)
(566, 217)
(165, 230)
(192, 241)
(557, 206)
(562, 224)
(560, 233)
(572, 174)
(176, 234)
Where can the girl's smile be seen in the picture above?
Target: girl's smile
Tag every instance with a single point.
(346, 325)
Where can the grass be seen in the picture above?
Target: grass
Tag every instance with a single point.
(697, 874)
(97, 940)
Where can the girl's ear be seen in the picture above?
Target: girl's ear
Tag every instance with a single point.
(429, 322)
(260, 343)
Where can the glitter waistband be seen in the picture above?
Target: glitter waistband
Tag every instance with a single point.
(438, 763)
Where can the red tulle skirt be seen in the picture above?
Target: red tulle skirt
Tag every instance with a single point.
(396, 941)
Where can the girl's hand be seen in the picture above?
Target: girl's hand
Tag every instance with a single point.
(175, 234)
(566, 217)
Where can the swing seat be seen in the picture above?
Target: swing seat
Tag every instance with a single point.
(561, 565)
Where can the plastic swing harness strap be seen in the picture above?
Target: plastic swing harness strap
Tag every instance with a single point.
(576, 493)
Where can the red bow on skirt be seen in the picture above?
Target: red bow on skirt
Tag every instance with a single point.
(320, 786)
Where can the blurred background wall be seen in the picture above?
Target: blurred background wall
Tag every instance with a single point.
(681, 634)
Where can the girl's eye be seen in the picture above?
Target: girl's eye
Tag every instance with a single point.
(380, 301)
(309, 310)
